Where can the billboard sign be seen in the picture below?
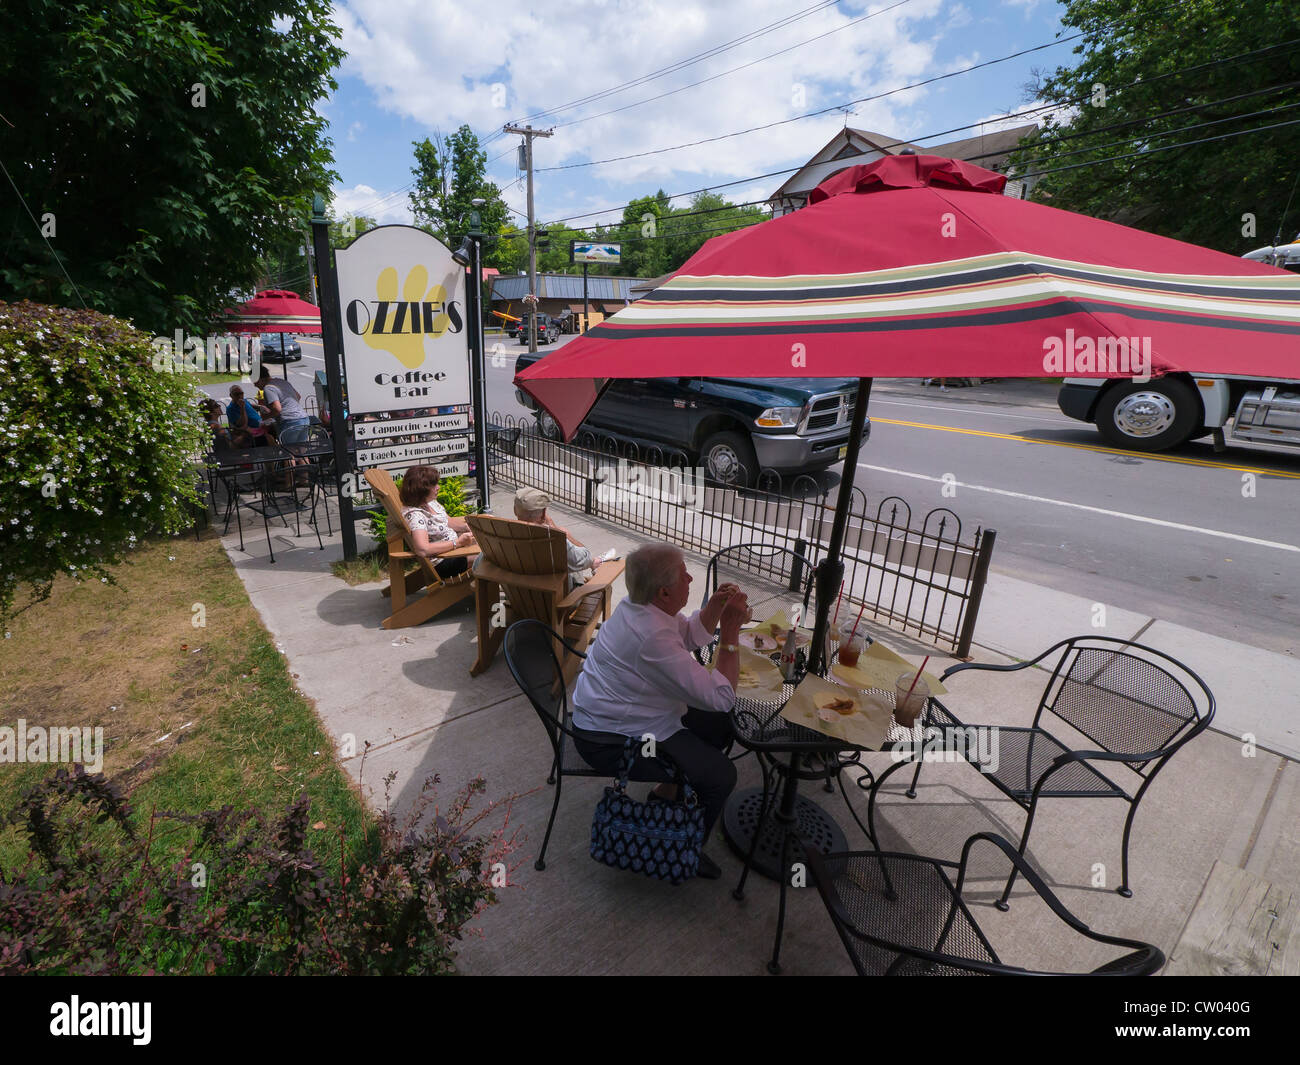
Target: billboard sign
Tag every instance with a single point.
(581, 251)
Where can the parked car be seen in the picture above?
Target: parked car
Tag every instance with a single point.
(548, 329)
(733, 427)
(271, 350)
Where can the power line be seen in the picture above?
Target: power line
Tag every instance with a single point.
(1034, 173)
(928, 81)
(681, 64)
(59, 262)
(1042, 142)
(733, 70)
(815, 114)
(1165, 148)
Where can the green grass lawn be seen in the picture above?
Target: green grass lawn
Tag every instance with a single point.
(194, 718)
(205, 378)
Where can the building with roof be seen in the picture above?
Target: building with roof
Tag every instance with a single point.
(853, 147)
(560, 295)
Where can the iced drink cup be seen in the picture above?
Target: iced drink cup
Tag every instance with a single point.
(850, 650)
(907, 708)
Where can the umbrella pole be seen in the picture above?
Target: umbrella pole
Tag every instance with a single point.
(284, 358)
(830, 572)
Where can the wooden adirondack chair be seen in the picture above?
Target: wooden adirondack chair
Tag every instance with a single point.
(439, 594)
(530, 562)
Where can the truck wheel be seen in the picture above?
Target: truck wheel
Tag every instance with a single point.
(729, 459)
(1154, 416)
(548, 426)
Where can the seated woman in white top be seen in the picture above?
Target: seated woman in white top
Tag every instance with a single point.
(433, 531)
(640, 679)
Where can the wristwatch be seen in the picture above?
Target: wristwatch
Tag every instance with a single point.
(729, 647)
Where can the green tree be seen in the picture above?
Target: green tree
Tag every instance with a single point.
(1136, 63)
(447, 181)
(343, 231)
(164, 150)
(555, 260)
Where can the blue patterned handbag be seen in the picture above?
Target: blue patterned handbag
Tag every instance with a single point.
(660, 839)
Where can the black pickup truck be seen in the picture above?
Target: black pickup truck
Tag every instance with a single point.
(733, 427)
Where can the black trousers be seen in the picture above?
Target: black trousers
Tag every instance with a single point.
(450, 567)
(697, 749)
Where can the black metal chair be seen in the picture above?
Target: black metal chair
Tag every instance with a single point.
(530, 655)
(905, 915)
(1135, 703)
(312, 461)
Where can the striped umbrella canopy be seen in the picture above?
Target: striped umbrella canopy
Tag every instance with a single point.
(917, 266)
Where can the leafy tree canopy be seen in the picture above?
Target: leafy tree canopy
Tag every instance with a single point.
(1152, 74)
(447, 181)
(165, 151)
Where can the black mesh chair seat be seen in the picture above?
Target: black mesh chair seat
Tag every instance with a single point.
(905, 915)
(1023, 756)
(907, 899)
(1135, 704)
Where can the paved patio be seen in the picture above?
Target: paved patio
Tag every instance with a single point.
(410, 694)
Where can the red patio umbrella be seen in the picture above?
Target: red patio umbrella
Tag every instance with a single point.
(274, 310)
(917, 266)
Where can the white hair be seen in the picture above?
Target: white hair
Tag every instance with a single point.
(649, 569)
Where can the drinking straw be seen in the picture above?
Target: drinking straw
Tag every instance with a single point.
(915, 679)
(859, 618)
(837, 604)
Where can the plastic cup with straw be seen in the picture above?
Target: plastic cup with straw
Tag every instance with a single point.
(909, 701)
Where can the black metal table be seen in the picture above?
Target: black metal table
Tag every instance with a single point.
(760, 824)
(229, 466)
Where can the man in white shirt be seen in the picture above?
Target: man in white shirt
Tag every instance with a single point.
(640, 679)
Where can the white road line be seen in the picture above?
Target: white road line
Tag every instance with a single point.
(1061, 420)
(1092, 510)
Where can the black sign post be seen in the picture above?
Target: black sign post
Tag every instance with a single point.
(331, 324)
(478, 377)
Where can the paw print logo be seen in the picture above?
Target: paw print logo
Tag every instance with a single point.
(408, 345)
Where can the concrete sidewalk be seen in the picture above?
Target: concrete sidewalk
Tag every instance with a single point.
(409, 693)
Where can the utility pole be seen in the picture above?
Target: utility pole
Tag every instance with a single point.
(528, 133)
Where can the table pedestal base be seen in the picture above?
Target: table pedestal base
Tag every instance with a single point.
(813, 824)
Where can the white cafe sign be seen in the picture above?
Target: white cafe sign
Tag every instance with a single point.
(405, 333)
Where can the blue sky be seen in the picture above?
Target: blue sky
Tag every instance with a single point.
(418, 68)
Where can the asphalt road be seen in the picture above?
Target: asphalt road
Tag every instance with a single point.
(1198, 539)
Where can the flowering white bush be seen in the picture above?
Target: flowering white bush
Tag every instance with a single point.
(97, 449)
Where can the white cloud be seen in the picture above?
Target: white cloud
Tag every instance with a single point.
(364, 200)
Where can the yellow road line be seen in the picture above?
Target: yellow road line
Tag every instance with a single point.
(1088, 447)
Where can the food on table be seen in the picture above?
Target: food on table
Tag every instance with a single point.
(836, 703)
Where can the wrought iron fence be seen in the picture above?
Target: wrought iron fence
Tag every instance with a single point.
(921, 576)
